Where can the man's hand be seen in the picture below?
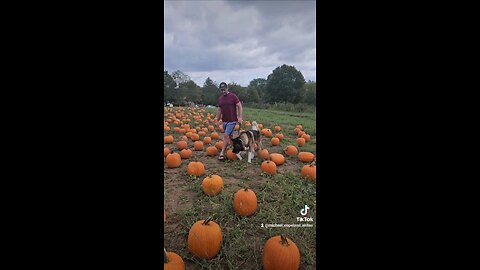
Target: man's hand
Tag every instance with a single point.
(240, 120)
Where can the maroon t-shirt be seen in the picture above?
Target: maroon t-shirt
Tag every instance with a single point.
(228, 107)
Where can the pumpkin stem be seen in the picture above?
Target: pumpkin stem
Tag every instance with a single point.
(284, 240)
(165, 257)
(207, 220)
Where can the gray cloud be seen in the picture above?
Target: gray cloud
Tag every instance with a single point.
(239, 40)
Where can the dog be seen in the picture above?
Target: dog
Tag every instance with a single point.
(245, 141)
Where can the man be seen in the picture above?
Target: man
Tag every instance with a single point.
(231, 112)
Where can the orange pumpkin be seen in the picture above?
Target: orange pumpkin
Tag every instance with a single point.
(211, 128)
(279, 136)
(205, 239)
(172, 261)
(195, 137)
(309, 171)
(277, 128)
(214, 135)
(164, 216)
(198, 146)
(291, 150)
(264, 154)
(301, 141)
(275, 141)
(280, 253)
(212, 151)
(212, 185)
(195, 168)
(306, 156)
(168, 139)
(183, 138)
(306, 137)
(182, 145)
(173, 160)
(186, 153)
(166, 151)
(269, 167)
(207, 140)
(231, 155)
(219, 145)
(245, 202)
(279, 159)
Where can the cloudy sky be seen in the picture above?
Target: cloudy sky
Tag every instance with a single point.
(238, 41)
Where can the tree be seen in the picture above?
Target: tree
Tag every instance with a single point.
(168, 87)
(210, 92)
(258, 85)
(238, 90)
(310, 93)
(285, 84)
(180, 77)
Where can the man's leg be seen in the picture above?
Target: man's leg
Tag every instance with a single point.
(226, 141)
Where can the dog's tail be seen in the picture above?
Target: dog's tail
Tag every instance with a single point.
(254, 126)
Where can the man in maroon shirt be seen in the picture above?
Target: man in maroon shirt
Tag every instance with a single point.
(231, 111)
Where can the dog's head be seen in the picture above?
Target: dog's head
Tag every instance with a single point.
(237, 145)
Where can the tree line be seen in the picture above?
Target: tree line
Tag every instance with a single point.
(285, 84)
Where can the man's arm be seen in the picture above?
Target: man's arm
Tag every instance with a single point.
(219, 114)
(239, 112)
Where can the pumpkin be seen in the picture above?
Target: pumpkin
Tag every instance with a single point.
(212, 185)
(219, 145)
(260, 126)
(269, 167)
(291, 150)
(280, 253)
(212, 151)
(237, 127)
(279, 136)
(245, 202)
(205, 239)
(211, 128)
(300, 127)
(195, 168)
(164, 216)
(264, 154)
(207, 140)
(231, 155)
(166, 151)
(309, 171)
(198, 146)
(172, 261)
(186, 153)
(306, 137)
(275, 141)
(296, 130)
(279, 159)
(201, 133)
(214, 135)
(301, 141)
(306, 156)
(182, 145)
(183, 138)
(173, 160)
(168, 139)
(195, 137)
(277, 128)
(300, 134)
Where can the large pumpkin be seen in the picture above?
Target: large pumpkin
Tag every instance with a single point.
(214, 135)
(212, 185)
(279, 159)
(309, 171)
(280, 253)
(173, 160)
(291, 150)
(207, 140)
(212, 151)
(231, 155)
(195, 168)
(198, 146)
(172, 261)
(219, 144)
(264, 154)
(245, 202)
(301, 141)
(186, 153)
(168, 139)
(205, 239)
(269, 167)
(182, 145)
(275, 141)
(306, 156)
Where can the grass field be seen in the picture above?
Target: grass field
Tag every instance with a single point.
(280, 199)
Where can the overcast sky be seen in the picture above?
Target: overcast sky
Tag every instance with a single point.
(238, 41)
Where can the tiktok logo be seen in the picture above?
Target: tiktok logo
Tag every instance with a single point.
(304, 211)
